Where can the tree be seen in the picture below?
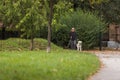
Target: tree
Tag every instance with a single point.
(60, 7)
(110, 11)
(32, 20)
(26, 15)
(49, 9)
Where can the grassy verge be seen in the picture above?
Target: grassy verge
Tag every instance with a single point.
(38, 65)
(60, 64)
(17, 44)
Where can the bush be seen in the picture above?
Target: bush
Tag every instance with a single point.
(60, 35)
(87, 25)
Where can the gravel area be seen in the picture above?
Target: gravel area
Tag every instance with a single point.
(111, 68)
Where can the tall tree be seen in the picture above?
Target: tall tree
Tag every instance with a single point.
(26, 15)
(32, 20)
(60, 7)
(49, 9)
(50, 25)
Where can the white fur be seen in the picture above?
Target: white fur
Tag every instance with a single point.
(79, 46)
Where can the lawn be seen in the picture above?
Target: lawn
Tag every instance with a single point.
(17, 44)
(60, 64)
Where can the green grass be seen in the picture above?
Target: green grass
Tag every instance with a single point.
(38, 65)
(60, 64)
(17, 44)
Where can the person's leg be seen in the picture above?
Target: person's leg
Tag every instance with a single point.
(72, 44)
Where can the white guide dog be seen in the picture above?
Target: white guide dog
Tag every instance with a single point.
(79, 46)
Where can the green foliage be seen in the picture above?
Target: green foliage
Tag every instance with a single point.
(87, 27)
(60, 8)
(60, 35)
(110, 11)
(7, 12)
(86, 4)
(32, 19)
(26, 15)
(37, 65)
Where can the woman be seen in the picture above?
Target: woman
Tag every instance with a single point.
(73, 38)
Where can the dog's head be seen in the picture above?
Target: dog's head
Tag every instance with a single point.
(79, 42)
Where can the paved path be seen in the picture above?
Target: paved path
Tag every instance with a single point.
(111, 68)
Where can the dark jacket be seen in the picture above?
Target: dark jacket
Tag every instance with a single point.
(73, 36)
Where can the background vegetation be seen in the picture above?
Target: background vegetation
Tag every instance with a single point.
(87, 25)
(38, 18)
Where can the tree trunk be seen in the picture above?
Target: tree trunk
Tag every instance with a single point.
(3, 32)
(32, 43)
(49, 39)
(49, 26)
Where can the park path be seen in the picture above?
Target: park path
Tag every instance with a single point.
(111, 66)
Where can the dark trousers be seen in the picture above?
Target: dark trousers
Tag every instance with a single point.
(73, 44)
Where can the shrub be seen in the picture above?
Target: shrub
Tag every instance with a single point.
(60, 35)
(87, 25)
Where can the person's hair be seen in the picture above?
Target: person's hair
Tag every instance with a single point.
(73, 28)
